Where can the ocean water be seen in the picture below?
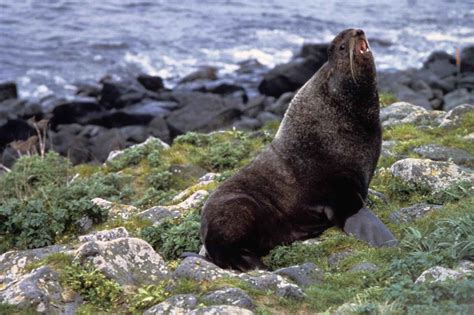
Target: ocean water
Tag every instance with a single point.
(47, 46)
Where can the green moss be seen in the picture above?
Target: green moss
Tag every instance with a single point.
(386, 99)
(58, 261)
(8, 309)
(149, 295)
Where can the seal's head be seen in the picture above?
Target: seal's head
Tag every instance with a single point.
(350, 55)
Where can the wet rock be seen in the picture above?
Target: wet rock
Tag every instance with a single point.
(13, 263)
(453, 118)
(335, 259)
(467, 59)
(247, 123)
(40, 289)
(119, 95)
(431, 174)
(200, 270)
(439, 274)
(178, 304)
(107, 140)
(318, 51)
(230, 296)
(221, 310)
(365, 266)
(151, 82)
(204, 73)
(158, 128)
(14, 129)
(115, 209)
(73, 112)
(104, 236)
(202, 112)
(458, 97)
(151, 107)
(303, 275)
(254, 106)
(290, 76)
(413, 212)
(129, 261)
(280, 106)
(67, 142)
(441, 153)
(8, 91)
(226, 89)
(266, 117)
(441, 64)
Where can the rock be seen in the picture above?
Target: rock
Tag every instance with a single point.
(280, 106)
(441, 153)
(441, 64)
(40, 289)
(376, 196)
(119, 95)
(439, 274)
(150, 141)
(303, 275)
(466, 266)
(221, 310)
(423, 89)
(151, 82)
(394, 113)
(266, 117)
(254, 106)
(104, 236)
(118, 119)
(202, 112)
(318, 51)
(73, 112)
(413, 212)
(467, 59)
(84, 224)
(13, 130)
(431, 174)
(152, 108)
(21, 109)
(247, 123)
(88, 89)
(387, 148)
(129, 261)
(197, 269)
(466, 81)
(158, 214)
(226, 89)
(67, 142)
(204, 73)
(458, 97)
(158, 128)
(365, 266)
(335, 259)
(407, 94)
(115, 209)
(8, 91)
(13, 263)
(178, 304)
(290, 76)
(230, 296)
(453, 118)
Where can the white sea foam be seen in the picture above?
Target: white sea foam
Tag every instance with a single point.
(141, 60)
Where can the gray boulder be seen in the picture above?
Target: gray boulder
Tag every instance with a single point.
(40, 289)
(221, 310)
(406, 113)
(453, 118)
(8, 91)
(365, 266)
(13, 263)
(434, 175)
(200, 270)
(458, 97)
(178, 304)
(129, 261)
(441, 153)
(439, 274)
(104, 236)
(230, 296)
(303, 275)
(281, 104)
(413, 212)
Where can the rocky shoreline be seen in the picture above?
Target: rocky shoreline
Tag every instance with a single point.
(114, 114)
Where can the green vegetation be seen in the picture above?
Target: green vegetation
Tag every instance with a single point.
(387, 99)
(175, 236)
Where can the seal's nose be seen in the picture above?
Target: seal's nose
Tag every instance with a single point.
(359, 32)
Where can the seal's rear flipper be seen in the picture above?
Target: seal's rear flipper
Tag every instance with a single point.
(365, 226)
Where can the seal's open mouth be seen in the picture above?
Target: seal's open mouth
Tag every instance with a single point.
(362, 46)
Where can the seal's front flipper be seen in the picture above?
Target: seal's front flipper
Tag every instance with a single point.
(365, 226)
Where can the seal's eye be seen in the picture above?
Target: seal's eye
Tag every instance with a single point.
(342, 47)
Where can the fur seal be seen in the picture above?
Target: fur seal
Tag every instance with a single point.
(316, 172)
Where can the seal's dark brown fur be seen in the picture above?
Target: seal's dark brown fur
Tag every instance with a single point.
(316, 172)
